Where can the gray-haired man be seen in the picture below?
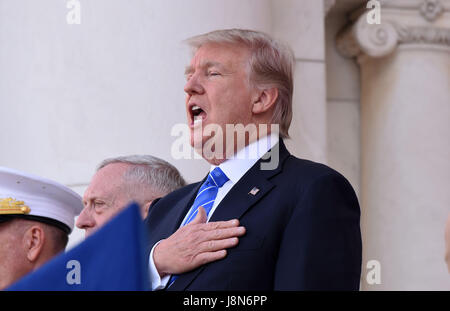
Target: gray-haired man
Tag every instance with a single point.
(122, 180)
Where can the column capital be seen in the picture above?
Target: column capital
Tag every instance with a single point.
(402, 22)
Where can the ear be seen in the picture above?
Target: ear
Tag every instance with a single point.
(34, 239)
(264, 100)
(146, 208)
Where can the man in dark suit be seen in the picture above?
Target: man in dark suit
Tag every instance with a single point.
(262, 219)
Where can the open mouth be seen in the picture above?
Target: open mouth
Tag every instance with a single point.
(197, 114)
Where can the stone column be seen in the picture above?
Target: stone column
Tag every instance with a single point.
(405, 140)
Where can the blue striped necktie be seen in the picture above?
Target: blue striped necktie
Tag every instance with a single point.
(207, 193)
(205, 197)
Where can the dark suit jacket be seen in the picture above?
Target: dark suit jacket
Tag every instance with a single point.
(302, 230)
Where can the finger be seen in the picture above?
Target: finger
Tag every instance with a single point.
(220, 234)
(200, 218)
(208, 257)
(221, 224)
(216, 245)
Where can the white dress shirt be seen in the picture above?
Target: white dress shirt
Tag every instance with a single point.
(234, 168)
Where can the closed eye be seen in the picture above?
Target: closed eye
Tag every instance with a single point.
(214, 73)
(99, 204)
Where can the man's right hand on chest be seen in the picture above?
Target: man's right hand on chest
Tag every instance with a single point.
(196, 244)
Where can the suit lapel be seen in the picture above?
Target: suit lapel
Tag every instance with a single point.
(238, 201)
(241, 197)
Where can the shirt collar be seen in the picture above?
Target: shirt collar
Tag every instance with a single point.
(244, 159)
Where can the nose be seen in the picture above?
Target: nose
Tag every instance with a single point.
(85, 219)
(194, 86)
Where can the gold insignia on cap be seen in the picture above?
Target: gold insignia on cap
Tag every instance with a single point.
(11, 206)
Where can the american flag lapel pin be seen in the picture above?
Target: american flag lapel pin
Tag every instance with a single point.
(254, 191)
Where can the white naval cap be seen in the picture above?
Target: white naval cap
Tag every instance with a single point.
(32, 197)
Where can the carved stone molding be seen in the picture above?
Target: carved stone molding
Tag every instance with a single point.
(431, 9)
(379, 40)
(428, 35)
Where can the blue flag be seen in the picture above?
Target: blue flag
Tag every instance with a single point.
(111, 259)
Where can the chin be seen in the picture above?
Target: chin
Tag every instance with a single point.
(199, 143)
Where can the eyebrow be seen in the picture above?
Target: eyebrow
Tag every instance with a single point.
(205, 65)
